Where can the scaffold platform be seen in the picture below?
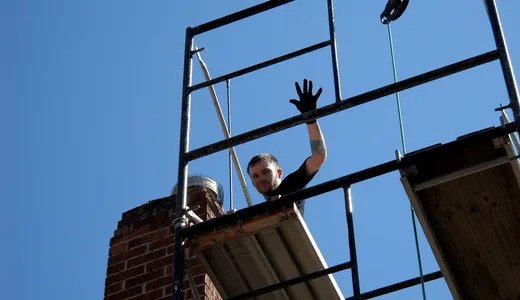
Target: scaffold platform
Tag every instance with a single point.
(467, 199)
(263, 251)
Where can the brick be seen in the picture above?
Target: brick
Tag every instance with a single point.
(146, 277)
(153, 222)
(160, 282)
(115, 268)
(124, 275)
(185, 284)
(199, 279)
(159, 263)
(121, 230)
(126, 293)
(129, 234)
(118, 248)
(189, 293)
(147, 238)
(188, 254)
(113, 288)
(194, 266)
(140, 264)
(211, 291)
(169, 269)
(193, 261)
(126, 255)
(168, 290)
(146, 257)
(150, 296)
(161, 243)
(197, 270)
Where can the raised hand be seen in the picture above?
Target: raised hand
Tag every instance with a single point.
(307, 100)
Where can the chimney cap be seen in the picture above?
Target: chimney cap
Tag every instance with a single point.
(204, 181)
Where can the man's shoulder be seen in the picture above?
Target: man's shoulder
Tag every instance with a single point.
(297, 180)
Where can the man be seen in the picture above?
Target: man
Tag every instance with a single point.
(264, 170)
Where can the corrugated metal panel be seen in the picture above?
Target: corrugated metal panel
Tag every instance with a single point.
(265, 251)
(468, 203)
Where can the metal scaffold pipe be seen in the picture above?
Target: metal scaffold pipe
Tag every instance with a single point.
(334, 53)
(224, 127)
(181, 198)
(505, 61)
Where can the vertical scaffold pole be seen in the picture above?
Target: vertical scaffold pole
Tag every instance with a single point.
(181, 199)
(505, 62)
(352, 243)
(335, 67)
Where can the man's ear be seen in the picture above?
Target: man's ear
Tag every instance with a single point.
(279, 171)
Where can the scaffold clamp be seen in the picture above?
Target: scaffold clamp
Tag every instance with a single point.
(393, 10)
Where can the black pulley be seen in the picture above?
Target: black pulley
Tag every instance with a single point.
(393, 10)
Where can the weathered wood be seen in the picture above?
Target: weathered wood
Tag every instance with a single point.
(472, 221)
(266, 250)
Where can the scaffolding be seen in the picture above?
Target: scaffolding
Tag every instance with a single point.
(183, 233)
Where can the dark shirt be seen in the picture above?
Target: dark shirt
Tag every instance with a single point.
(293, 182)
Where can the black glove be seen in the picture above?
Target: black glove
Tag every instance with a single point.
(307, 100)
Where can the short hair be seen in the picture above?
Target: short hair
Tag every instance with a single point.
(267, 157)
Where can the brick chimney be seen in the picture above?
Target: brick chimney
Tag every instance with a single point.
(140, 262)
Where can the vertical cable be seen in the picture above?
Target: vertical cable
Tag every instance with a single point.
(230, 157)
(398, 99)
(403, 143)
(223, 125)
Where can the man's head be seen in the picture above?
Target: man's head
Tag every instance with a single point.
(265, 173)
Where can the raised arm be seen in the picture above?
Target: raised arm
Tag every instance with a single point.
(318, 149)
(307, 103)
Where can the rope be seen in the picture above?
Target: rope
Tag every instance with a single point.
(403, 143)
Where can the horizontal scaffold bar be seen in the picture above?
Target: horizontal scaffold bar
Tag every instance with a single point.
(293, 281)
(344, 104)
(237, 16)
(261, 65)
(328, 186)
(398, 286)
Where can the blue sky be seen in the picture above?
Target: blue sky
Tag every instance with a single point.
(90, 104)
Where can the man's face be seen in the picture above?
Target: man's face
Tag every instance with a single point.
(266, 176)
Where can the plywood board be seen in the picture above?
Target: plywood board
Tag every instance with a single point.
(472, 216)
(264, 251)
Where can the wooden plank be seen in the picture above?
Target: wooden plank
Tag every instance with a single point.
(472, 220)
(209, 270)
(247, 259)
(504, 232)
(447, 221)
(283, 263)
(462, 173)
(264, 251)
(218, 259)
(291, 234)
(243, 229)
(264, 268)
(434, 242)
